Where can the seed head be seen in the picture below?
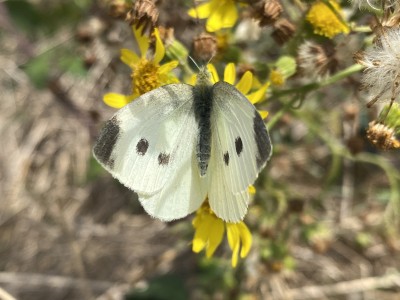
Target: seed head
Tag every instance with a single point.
(381, 78)
(316, 60)
(283, 31)
(267, 12)
(382, 136)
(205, 47)
(144, 13)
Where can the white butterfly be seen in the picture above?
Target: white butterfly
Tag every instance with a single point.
(178, 144)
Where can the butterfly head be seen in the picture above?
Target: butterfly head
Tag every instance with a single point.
(204, 76)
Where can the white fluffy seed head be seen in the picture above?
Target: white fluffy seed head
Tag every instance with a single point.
(316, 61)
(373, 4)
(381, 77)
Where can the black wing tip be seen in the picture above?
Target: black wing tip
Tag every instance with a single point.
(263, 141)
(107, 141)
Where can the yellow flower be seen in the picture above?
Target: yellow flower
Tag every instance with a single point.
(147, 74)
(282, 69)
(209, 232)
(326, 19)
(244, 85)
(220, 14)
(276, 78)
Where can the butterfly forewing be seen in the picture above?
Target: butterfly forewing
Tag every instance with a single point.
(139, 145)
(240, 149)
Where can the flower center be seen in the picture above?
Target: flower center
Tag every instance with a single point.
(325, 21)
(145, 77)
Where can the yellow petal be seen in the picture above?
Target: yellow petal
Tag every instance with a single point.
(258, 95)
(129, 57)
(202, 11)
(214, 22)
(244, 84)
(192, 80)
(160, 49)
(223, 15)
(202, 233)
(263, 114)
(246, 239)
(229, 14)
(251, 189)
(256, 83)
(142, 40)
(200, 236)
(216, 236)
(214, 74)
(234, 241)
(230, 73)
(197, 220)
(168, 67)
(117, 100)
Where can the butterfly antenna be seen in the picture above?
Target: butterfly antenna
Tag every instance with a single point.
(194, 62)
(211, 58)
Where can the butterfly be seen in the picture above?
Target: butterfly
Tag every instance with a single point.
(179, 144)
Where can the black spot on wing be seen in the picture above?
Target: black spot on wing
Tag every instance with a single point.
(262, 140)
(238, 145)
(106, 142)
(163, 159)
(142, 146)
(226, 158)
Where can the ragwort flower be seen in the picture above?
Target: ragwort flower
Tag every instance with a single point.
(326, 20)
(209, 233)
(147, 74)
(281, 70)
(219, 13)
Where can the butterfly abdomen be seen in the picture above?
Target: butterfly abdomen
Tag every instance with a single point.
(202, 110)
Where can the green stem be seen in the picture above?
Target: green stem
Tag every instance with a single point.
(342, 74)
(361, 29)
(316, 85)
(300, 92)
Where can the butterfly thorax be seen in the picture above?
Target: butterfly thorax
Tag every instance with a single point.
(202, 93)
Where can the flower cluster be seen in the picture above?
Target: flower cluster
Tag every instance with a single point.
(210, 231)
(315, 32)
(148, 74)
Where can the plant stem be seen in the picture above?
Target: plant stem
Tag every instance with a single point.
(316, 85)
(300, 92)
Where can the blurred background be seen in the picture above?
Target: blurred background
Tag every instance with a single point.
(325, 219)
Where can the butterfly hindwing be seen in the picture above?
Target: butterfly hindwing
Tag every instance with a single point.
(240, 149)
(142, 144)
(184, 190)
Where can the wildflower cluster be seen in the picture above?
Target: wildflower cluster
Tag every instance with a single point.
(311, 57)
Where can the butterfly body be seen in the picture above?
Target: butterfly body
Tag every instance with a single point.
(202, 98)
(179, 144)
